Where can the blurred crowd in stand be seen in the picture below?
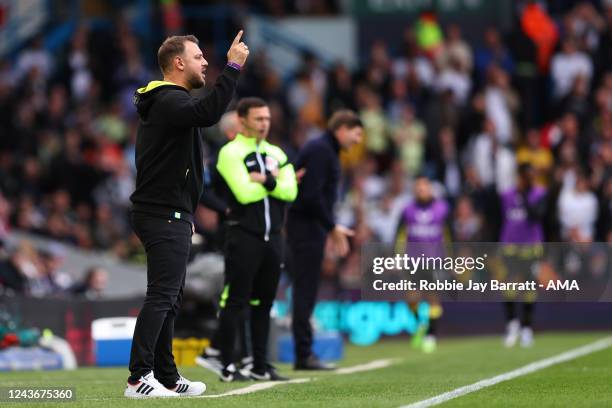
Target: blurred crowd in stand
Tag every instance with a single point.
(464, 114)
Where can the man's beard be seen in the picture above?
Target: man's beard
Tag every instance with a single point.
(196, 81)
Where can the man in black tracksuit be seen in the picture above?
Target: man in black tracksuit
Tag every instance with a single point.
(259, 181)
(311, 222)
(168, 188)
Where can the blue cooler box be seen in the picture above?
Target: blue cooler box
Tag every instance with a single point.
(112, 338)
(327, 346)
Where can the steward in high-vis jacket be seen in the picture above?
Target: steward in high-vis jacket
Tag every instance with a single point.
(258, 208)
(260, 181)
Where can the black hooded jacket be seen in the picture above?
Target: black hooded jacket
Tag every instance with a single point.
(169, 179)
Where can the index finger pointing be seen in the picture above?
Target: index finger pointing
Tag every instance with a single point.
(238, 37)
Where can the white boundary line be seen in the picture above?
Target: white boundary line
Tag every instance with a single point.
(372, 365)
(256, 387)
(529, 368)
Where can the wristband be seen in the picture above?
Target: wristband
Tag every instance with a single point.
(270, 183)
(237, 67)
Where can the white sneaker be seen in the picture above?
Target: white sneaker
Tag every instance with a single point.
(526, 337)
(148, 387)
(186, 388)
(512, 333)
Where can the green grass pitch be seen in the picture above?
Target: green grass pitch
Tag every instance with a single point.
(583, 382)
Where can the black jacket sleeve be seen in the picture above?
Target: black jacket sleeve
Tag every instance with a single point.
(183, 110)
(311, 187)
(210, 198)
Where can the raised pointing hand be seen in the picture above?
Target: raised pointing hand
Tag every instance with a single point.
(238, 51)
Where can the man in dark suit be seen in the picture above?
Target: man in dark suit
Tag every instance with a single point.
(311, 222)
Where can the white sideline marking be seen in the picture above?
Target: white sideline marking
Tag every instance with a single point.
(256, 387)
(528, 369)
(372, 365)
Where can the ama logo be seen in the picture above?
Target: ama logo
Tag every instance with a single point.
(562, 285)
